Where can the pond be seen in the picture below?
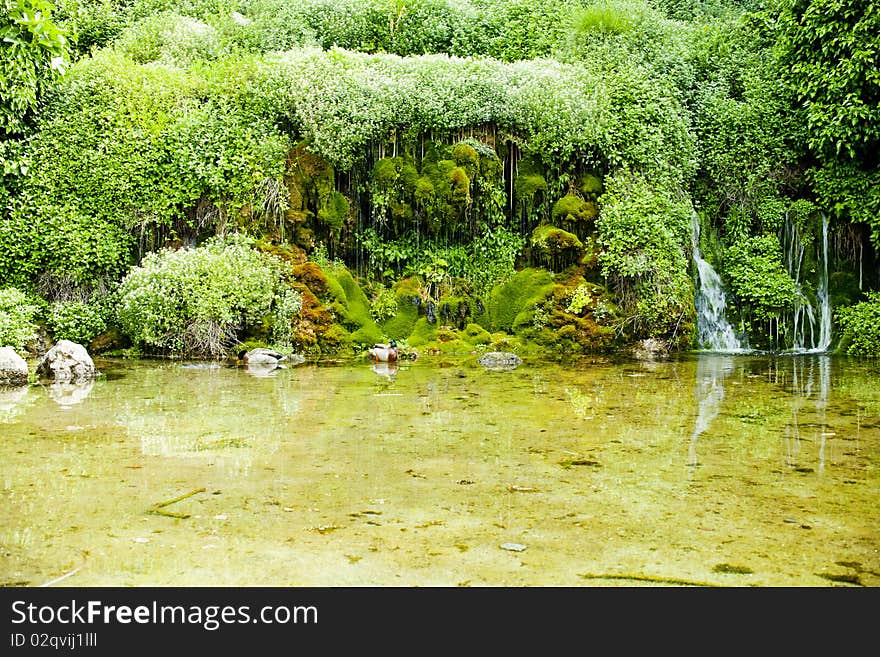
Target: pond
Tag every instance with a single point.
(706, 469)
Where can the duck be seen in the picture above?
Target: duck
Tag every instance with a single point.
(383, 353)
(261, 356)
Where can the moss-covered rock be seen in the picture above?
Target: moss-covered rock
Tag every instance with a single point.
(555, 247)
(423, 333)
(574, 211)
(353, 306)
(513, 304)
(476, 335)
(407, 291)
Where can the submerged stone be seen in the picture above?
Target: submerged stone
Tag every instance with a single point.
(513, 547)
(500, 360)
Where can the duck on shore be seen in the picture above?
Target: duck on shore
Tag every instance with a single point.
(383, 353)
(261, 356)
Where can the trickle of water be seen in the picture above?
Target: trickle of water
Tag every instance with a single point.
(822, 294)
(713, 330)
(804, 318)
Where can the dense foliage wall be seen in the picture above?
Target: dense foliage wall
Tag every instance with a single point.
(441, 151)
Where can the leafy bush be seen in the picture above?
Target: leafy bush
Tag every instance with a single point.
(35, 50)
(644, 232)
(288, 305)
(169, 38)
(383, 304)
(196, 301)
(17, 318)
(860, 327)
(77, 321)
(757, 277)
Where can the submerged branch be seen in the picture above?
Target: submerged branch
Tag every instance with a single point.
(157, 507)
(646, 578)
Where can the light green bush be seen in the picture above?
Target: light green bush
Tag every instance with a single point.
(197, 301)
(77, 321)
(860, 327)
(17, 318)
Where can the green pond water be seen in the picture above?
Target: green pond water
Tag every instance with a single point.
(746, 470)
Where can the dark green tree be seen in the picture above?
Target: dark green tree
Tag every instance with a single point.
(34, 50)
(830, 54)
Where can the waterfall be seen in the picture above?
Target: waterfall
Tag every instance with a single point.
(713, 330)
(806, 335)
(822, 294)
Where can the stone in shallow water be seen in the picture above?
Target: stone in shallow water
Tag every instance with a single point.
(67, 361)
(13, 368)
(513, 547)
(499, 360)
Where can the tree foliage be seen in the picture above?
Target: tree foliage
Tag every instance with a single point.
(829, 52)
(35, 50)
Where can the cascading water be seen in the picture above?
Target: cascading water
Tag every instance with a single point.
(713, 330)
(810, 333)
(822, 295)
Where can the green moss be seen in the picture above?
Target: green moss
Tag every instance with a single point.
(334, 212)
(334, 289)
(527, 185)
(405, 317)
(386, 171)
(367, 336)
(424, 191)
(466, 157)
(514, 302)
(352, 304)
(476, 335)
(460, 185)
(423, 332)
(454, 346)
(554, 241)
(335, 338)
(409, 176)
(572, 209)
(590, 186)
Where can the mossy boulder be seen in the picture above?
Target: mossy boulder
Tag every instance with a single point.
(513, 304)
(353, 306)
(574, 213)
(407, 291)
(423, 333)
(556, 247)
(590, 186)
(476, 335)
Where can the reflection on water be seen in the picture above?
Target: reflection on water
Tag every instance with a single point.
(68, 393)
(12, 402)
(727, 470)
(709, 392)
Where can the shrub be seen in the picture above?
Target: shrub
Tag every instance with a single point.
(196, 301)
(860, 327)
(17, 318)
(77, 321)
(287, 308)
(757, 277)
